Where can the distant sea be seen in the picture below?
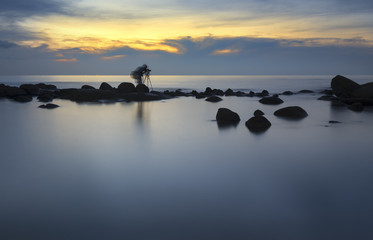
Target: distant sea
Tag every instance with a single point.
(166, 170)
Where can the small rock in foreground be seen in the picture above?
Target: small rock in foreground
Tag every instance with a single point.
(213, 99)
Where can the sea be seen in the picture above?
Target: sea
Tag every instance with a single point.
(165, 170)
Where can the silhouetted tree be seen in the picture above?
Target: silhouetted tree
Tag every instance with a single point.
(141, 74)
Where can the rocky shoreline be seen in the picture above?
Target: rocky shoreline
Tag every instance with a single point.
(343, 92)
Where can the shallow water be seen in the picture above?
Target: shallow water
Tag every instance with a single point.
(166, 170)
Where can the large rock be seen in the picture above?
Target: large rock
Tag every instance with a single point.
(126, 87)
(293, 112)
(364, 91)
(271, 101)
(226, 115)
(356, 107)
(49, 106)
(142, 88)
(343, 87)
(87, 87)
(258, 124)
(23, 98)
(46, 86)
(105, 86)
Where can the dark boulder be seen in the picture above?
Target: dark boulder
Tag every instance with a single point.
(126, 87)
(264, 93)
(229, 92)
(208, 91)
(364, 91)
(327, 98)
(105, 86)
(343, 87)
(293, 112)
(31, 89)
(87, 87)
(356, 107)
(213, 99)
(226, 115)
(142, 88)
(2, 90)
(258, 113)
(271, 100)
(49, 106)
(12, 92)
(258, 124)
(23, 98)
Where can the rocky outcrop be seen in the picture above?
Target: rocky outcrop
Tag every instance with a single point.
(23, 98)
(258, 113)
(343, 87)
(12, 92)
(225, 115)
(87, 87)
(31, 89)
(292, 112)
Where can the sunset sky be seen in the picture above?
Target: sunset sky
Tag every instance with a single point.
(186, 37)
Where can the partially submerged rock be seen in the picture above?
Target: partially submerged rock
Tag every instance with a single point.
(258, 113)
(258, 124)
(364, 91)
(126, 87)
(343, 87)
(213, 99)
(292, 112)
(49, 106)
(105, 86)
(356, 107)
(271, 100)
(226, 115)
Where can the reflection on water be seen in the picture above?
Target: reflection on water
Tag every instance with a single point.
(164, 170)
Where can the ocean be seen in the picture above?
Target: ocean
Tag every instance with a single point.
(167, 170)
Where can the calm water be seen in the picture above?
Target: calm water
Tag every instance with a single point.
(165, 170)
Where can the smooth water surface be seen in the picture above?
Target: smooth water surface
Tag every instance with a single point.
(166, 170)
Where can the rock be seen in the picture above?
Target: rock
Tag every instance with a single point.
(142, 88)
(229, 92)
(356, 107)
(49, 106)
(271, 100)
(126, 87)
(208, 91)
(264, 93)
(288, 93)
(327, 98)
(258, 113)
(258, 124)
(45, 97)
(306, 91)
(46, 86)
(2, 90)
(23, 99)
(87, 87)
(12, 92)
(213, 99)
(293, 112)
(105, 86)
(364, 91)
(226, 115)
(30, 89)
(334, 122)
(343, 87)
(327, 92)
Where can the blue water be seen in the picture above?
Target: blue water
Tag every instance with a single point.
(166, 170)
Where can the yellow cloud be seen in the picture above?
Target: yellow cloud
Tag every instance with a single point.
(66, 60)
(225, 51)
(112, 57)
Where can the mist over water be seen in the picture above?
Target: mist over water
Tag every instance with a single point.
(166, 170)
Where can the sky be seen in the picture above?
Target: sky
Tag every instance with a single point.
(90, 37)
